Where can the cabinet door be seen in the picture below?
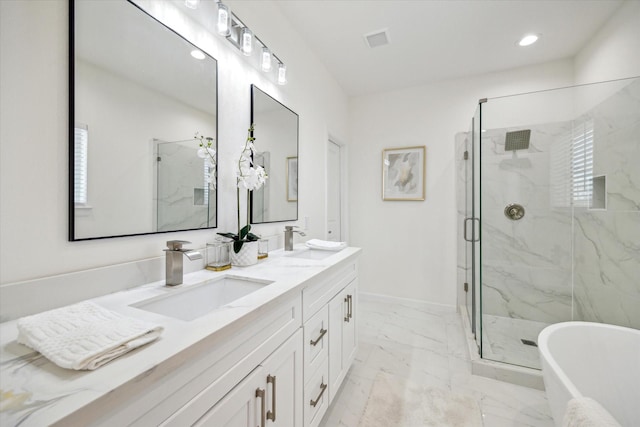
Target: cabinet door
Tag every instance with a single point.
(242, 407)
(343, 338)
(350, 328)
(283, 382)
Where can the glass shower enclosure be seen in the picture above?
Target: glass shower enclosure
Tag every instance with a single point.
(549, 210)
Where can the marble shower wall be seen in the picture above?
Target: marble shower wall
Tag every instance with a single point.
(526, 264)
(561, 263)
(607, 241)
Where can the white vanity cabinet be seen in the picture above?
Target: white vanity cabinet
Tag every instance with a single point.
(275, 359)
(263, 386)
(330, 338)
(343, 340)
(271, 394)
(195, 386)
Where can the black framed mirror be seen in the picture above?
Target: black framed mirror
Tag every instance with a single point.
(276, 132)
(139, 95)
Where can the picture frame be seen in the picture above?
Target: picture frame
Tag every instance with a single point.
(404, 173)
(292, 179)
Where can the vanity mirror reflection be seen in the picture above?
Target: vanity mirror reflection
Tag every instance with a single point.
(276, 133)
(139, 93)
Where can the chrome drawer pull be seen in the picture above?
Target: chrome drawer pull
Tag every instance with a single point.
(323, 387)
(271, 415)
(346, 318)
(317, 340)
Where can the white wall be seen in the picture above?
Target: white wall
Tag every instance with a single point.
(410, 247)
(33, 135)
(613, 52)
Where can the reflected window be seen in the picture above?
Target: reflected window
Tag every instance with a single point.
(81, 142)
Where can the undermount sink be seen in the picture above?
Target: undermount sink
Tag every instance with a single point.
(195, 301)
(310, 254)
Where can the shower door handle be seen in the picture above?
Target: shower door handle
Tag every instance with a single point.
(473, 238)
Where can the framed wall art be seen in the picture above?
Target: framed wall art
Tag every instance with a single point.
(404, 173)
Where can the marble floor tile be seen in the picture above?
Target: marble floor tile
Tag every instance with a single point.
(426, 346)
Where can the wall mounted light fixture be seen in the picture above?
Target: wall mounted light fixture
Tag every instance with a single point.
(282, 74)
(192, 4)
(246, 44)
(239, 35)
(265, 59)
(224, 20)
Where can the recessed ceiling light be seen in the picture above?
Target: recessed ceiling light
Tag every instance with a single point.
(528, 40)
(197, 54)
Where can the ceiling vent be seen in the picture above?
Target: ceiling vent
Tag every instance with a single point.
(377, 38)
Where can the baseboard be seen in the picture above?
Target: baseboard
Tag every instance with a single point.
(368, 296)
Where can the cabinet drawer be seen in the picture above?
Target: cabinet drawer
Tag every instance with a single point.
(316, 395)
(318, 294)
(316, 341)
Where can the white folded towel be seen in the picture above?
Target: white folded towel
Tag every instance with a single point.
(84, 335)
(586, 412)
(325, 245)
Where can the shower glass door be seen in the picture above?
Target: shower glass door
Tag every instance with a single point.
(560, 201)
(470, 224)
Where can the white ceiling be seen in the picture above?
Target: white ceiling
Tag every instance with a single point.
(433, 40)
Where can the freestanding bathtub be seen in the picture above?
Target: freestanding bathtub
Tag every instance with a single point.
(592, 360)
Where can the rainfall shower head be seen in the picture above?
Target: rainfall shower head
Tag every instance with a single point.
(517, 140)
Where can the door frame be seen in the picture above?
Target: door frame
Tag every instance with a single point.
(344, 187)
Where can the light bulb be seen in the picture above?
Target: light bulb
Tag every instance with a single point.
(528, 40)
(282, 74)
(246, 42)
(265, 61)
(224, 20)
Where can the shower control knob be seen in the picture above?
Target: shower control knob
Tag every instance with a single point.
(514, 211)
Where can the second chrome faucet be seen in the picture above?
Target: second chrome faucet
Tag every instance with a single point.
(288, 236)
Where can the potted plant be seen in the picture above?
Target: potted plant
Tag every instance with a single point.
(249, 177)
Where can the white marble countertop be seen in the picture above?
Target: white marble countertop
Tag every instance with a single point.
(36, 392)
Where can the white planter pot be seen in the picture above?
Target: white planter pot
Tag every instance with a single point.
(248, 255)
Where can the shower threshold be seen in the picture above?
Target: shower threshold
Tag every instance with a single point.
(514, 374)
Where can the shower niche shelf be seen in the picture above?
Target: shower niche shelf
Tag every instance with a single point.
(599, 193)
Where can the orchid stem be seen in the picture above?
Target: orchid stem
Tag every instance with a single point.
(238, 200)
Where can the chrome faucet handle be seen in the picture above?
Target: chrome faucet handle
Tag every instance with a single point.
(290, 227)
(176, 245)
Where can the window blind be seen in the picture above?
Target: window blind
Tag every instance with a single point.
(571, 167)
(582, 164)
(81, 142)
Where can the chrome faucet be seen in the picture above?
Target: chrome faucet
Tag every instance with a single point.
(174, 260)
(288, 236)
